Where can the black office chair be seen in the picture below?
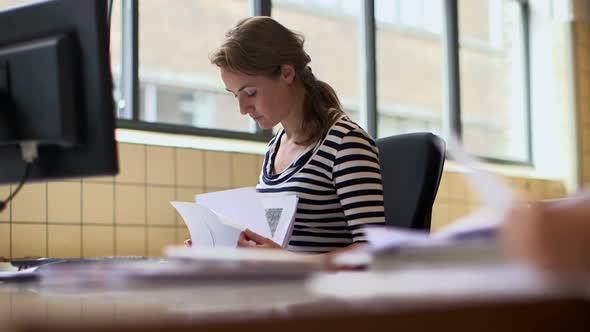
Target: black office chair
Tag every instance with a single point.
(411, 168)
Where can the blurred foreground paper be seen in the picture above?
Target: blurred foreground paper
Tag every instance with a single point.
(458, 282)
(245, 261)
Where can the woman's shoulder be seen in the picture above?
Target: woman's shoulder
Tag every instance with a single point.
(344, 127)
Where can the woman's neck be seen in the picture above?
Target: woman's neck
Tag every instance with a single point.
(293, 122)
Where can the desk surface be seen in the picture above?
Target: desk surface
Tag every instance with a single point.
(284, 306)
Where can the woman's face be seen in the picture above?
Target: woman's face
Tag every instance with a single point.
(266, 100)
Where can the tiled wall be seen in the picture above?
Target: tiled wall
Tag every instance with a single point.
(118, 216)
(455, 198)
(129, 214)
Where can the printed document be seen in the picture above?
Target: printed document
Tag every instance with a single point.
(217, 218)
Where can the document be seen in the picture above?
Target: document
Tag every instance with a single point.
(21, 275)
(216, 219)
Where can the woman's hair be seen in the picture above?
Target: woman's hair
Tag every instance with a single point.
(259, 46)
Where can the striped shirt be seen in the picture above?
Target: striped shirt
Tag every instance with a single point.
(338, 183)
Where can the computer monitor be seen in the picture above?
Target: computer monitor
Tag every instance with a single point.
(56, 91)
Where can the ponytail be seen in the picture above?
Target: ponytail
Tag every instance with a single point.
(321, 107)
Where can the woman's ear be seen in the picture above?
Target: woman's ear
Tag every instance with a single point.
(288, 73)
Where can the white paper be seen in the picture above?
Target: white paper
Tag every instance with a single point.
(217, 218)
(435, 282)
(242, 206)
(205, 227)
(387, 237)
(496, 196)
(16, 275)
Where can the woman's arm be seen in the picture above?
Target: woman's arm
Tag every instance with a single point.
(357, 178)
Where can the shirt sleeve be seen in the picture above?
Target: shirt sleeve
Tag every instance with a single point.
(357, 178)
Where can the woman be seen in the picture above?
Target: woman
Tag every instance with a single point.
(320, 155)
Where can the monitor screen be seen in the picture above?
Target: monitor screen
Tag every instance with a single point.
(56, 91)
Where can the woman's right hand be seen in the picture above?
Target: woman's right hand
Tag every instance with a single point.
(188, 243)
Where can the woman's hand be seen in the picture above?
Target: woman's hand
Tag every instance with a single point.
(249, 239)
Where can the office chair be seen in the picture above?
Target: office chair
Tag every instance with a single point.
(411, 169)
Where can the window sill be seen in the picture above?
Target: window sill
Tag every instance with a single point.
(189, 141)
(519, 171)
(244, 146)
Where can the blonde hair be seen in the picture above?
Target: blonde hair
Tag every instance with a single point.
(259, 46)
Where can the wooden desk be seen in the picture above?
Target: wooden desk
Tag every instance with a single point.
(277, 307)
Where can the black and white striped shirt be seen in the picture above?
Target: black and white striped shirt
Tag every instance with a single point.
(338, 182)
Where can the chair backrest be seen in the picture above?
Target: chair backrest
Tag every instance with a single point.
(411, 169)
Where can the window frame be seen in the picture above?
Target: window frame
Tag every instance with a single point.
(130, 85)
(129, 105)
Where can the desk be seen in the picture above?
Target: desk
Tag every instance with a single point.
(277, 306)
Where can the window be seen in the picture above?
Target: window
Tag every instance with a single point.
(180, 85)
(418, 15)
(178, 88)
(115, 21)
(331, 39)
(409, 60)
(493, 76)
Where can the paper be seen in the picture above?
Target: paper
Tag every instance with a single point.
(245, 262)
(26, 274)
(242, 206)
(205, 226)
(468, 282)
(497, 197)
(216, 219)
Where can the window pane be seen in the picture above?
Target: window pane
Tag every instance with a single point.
(12, 3)
(178, 84)
(331, 39)
(409, 88)
(492, 79)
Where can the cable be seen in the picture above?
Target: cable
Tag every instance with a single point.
(22, 182)
(29, 154)
(110, 11)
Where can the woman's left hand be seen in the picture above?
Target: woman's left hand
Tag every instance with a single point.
(249, 239)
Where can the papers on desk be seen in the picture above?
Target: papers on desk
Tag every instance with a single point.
(19, 275)
(209, 265)
(217, 218)
(244, 262)
(467, 282)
